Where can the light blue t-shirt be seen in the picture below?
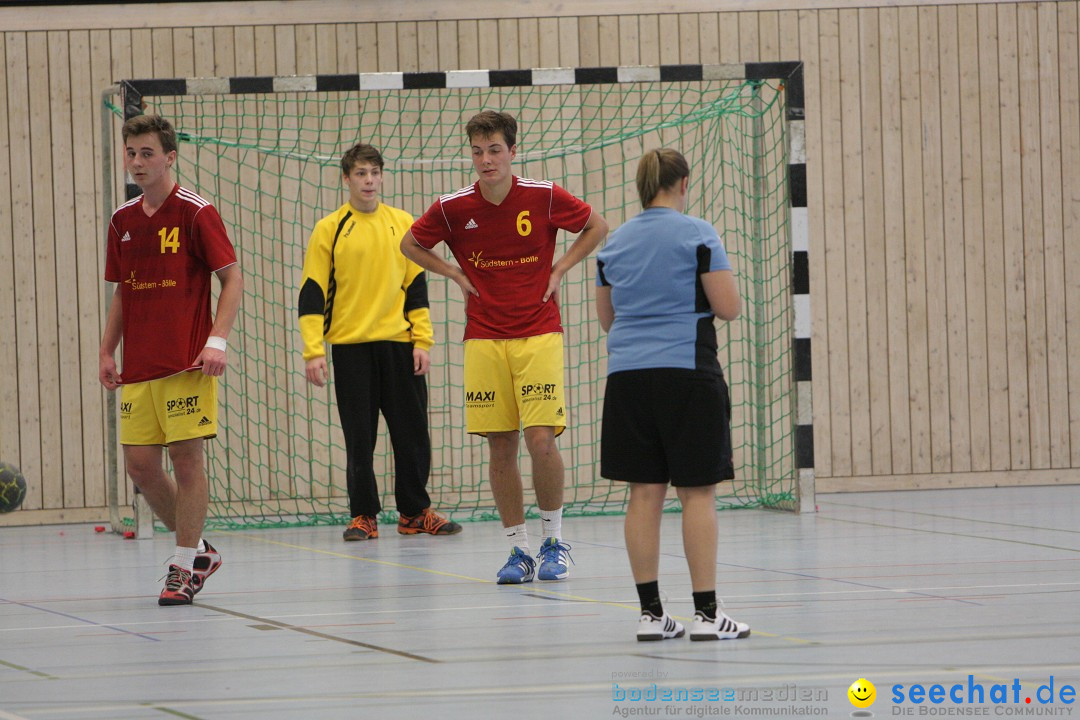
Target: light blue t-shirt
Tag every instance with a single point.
(662, 318)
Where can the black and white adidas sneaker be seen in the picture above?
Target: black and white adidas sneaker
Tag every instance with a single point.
(651, 627)
(721, 628)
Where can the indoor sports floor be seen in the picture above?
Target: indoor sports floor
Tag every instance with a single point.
(911, 588)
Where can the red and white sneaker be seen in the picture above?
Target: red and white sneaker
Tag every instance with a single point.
(206, 564)
(178, 590)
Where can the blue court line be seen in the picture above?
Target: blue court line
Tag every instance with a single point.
(76, 618)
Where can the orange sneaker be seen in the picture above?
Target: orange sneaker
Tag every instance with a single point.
(428, 521)
(178, 589)
(206, 564)
(362, 527)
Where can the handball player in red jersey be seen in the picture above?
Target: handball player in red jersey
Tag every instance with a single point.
(163, 248)
(502, 231)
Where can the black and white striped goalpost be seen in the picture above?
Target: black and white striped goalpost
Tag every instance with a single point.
(789, 75)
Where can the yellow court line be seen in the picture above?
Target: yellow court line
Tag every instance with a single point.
(553, 593)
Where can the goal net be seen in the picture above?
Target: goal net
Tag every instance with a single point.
(268, 157)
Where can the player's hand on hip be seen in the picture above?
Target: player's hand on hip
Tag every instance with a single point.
(212, 361)
(552, 286)
(467, 288)
(107, 373)
(421, 361)
(316, 371)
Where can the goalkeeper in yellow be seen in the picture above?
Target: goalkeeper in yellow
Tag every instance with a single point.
(359, 294)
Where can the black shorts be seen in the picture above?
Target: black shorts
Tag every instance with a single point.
(666, 425)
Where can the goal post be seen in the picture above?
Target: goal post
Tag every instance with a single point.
(265, 151)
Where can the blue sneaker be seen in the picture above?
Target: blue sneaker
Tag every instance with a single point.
(553, 558)
(518, 569)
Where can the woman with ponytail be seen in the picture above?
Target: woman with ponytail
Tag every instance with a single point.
(661, 280)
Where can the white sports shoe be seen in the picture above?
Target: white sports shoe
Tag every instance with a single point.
(651, 627)
(722, 628)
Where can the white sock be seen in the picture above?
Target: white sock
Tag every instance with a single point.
(551, 523)
(202, 546)
(184, 558)
(518, 536)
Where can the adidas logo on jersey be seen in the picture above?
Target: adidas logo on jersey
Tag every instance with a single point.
(471, 225)
(205, 421)
(126, 238)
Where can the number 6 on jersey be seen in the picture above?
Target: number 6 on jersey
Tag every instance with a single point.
(524, 227)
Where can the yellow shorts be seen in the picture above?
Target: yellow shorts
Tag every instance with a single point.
(516, 383)
(168, 410)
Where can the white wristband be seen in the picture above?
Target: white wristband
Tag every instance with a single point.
(218, 343)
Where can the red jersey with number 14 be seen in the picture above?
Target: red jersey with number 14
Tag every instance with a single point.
(164, 263)
(506, 251)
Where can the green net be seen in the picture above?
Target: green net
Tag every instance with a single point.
(269, 162)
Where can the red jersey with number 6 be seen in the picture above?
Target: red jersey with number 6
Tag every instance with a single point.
(506, 251)
(164, 263)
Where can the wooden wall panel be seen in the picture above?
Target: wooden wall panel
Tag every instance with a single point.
(748, 35)
(689, 39)
(1069, 51)
(934, 240)
(28, 457)
(1012, 209)
(893, 230)
(547, 42)
(769, 37)
(1032, 237)
(90, 63)
(164, 54)
(266, 50)
(971, 139)
(1048, 67)
(833, 294)
(204, 51)
(956, 455)
(120, 66)
(876, 347)
(608, 31)
(854, 230)
(911, 132)
(943, 143)
(184, 52)
(143, 58)
(65, 275)
(488, 43)
(977, 415)
(43, 255)
(708, 37)
(9, 351)
(994, 239)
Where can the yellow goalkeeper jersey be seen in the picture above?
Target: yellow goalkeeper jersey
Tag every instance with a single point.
(358, 287)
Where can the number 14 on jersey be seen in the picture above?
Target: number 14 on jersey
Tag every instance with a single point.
(170, 239)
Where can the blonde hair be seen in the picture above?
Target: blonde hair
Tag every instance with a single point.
(659, 169)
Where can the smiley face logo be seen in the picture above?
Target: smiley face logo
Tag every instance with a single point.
(862, 693)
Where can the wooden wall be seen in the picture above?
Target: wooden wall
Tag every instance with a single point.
(943, 145)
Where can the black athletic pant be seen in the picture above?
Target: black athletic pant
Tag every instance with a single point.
(374, 376)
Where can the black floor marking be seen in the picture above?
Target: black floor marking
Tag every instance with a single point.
(323, 636)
